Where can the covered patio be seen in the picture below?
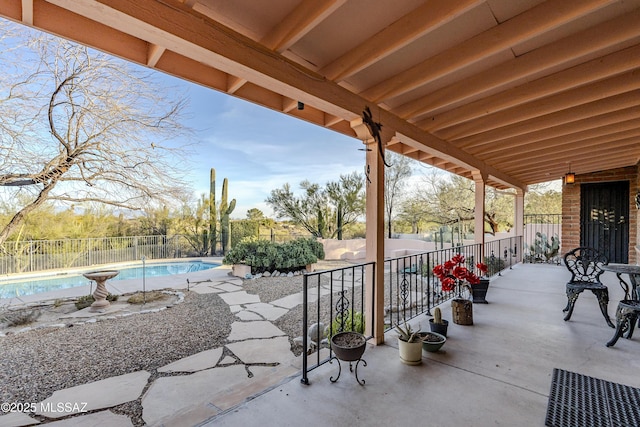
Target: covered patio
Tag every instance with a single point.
(497, 372)
(506, 93)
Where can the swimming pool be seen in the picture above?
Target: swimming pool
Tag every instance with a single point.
(36, 285)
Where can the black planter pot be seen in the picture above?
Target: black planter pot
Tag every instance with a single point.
(439, 328)
(479, 291)
(348, 353)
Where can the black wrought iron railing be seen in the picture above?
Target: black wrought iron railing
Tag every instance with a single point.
(335, 300)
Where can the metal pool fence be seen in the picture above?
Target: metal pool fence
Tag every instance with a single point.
(38, 255)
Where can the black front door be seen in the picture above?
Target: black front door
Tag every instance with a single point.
(604, 219)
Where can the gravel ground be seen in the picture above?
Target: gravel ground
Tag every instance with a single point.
(30, 362)
(34, 364)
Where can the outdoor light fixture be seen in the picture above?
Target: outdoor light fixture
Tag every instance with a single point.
(300, 105)
(570, 177)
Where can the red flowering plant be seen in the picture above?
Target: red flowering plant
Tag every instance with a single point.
(453, 273)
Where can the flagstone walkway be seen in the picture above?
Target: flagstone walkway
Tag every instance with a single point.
(257, 357)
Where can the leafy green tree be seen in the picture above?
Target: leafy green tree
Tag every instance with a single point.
(412, 211)
(323, 212)
(542, 199)
(395, 177)
(194, 224)
(450, 199)
(255, 214)
(157, 221)
(348, 197)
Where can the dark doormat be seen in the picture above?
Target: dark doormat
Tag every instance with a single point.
(580, 401)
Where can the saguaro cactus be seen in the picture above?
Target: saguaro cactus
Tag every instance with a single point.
(225, 211)
(213, 218)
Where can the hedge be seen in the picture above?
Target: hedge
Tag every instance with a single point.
(263, 255)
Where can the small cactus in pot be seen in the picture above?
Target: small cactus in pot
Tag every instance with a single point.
(438, 324)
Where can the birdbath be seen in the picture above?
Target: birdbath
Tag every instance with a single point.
(100, 294)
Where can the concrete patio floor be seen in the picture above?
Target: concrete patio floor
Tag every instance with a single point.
(494, 373)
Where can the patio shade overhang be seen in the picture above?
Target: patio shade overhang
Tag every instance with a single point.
(513, 90)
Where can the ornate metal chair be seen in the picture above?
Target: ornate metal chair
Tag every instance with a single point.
(585, 266)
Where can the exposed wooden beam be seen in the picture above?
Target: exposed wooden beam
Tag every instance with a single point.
(590, 124)
(604, 160)
(303, 19)
(502, 37)
(614, 103)
(551, 145)
(612, 141)
(27, 12)
(170, 24)
(155, 52)
(560, 101)
(299, 22)
(234, 83)
(425, 18)
(520, 69)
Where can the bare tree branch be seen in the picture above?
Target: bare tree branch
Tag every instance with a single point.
(85, 127)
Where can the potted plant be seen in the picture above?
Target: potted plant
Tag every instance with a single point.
(432, 341)
(409, 345)
(479, 290)
(348, 346)
(455, 276)
(438, 324)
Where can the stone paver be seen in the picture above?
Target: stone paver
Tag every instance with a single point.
(241, 297)
(274, 350)
(248, 315)
(98, 419)
(229, 287)
(208, 289)
(267, 311)
(288, 301)
(235, 281)
(197, 362)
(96, 395)
(188, 390)
(258, 329)
(17, 419)
(262, 359)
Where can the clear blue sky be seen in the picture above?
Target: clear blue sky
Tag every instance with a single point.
(259, 150)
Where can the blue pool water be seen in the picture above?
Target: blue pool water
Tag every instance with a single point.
(36, 285)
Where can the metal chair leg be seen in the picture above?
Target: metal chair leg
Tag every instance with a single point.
(603, 301)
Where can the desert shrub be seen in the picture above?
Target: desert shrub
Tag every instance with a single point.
(263, 255)
(19, 317)
(140, 298)
(86, 300)
(351, 321)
